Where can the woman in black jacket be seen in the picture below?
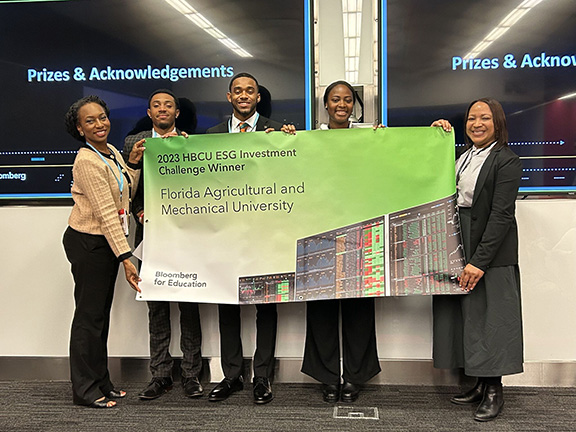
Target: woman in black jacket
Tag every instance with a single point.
(481, 332)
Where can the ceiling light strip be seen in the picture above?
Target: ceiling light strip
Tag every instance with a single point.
(352, 25)
(504, 25)
(200, 20)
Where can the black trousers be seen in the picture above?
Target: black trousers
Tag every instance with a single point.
(322, 348)
(94, 267)
(231, 342)
(159, 325)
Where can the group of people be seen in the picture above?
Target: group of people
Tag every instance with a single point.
(480, 332)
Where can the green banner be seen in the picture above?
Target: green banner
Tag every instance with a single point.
(256, 217)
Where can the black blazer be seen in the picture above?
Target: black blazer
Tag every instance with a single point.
(494, 233)
(262, 124)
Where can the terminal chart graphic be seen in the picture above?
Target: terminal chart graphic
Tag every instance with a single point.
(344, 263)
(416, 251)
(426, 253)
(274, 288)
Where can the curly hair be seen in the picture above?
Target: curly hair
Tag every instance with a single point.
(71, 117)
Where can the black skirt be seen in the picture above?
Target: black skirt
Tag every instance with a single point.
(481, 331)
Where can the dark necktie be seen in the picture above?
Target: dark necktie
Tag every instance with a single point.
(243, 126)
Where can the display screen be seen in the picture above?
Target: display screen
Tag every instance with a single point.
(525, 57)
(53, 53)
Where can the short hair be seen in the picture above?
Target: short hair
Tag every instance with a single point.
(71, 117)
(498, 117)
(243, 75)
(169, 92)
(336, 83)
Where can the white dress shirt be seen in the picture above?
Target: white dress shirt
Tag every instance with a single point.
(468, 168)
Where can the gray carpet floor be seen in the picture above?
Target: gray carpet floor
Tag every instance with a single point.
(46, 406)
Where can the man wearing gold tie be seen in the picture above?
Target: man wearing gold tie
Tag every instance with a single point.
(243, 94)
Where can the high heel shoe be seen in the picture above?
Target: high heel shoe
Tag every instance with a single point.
(116, 394)
(102, 403)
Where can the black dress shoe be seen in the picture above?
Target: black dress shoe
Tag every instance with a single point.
(330, 393)
(116, 394)
(491, 404)
(157, 387)
(262, 390)
(225, 388)
(192, 387)
(349, 392)
(474, 395)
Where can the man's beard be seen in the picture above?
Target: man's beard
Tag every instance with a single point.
(164, 124)
(246, 111)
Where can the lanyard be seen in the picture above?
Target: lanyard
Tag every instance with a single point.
(120, 180)
(253, 127)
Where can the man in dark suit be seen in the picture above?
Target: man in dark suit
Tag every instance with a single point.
(163, 109)
(244, 95)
